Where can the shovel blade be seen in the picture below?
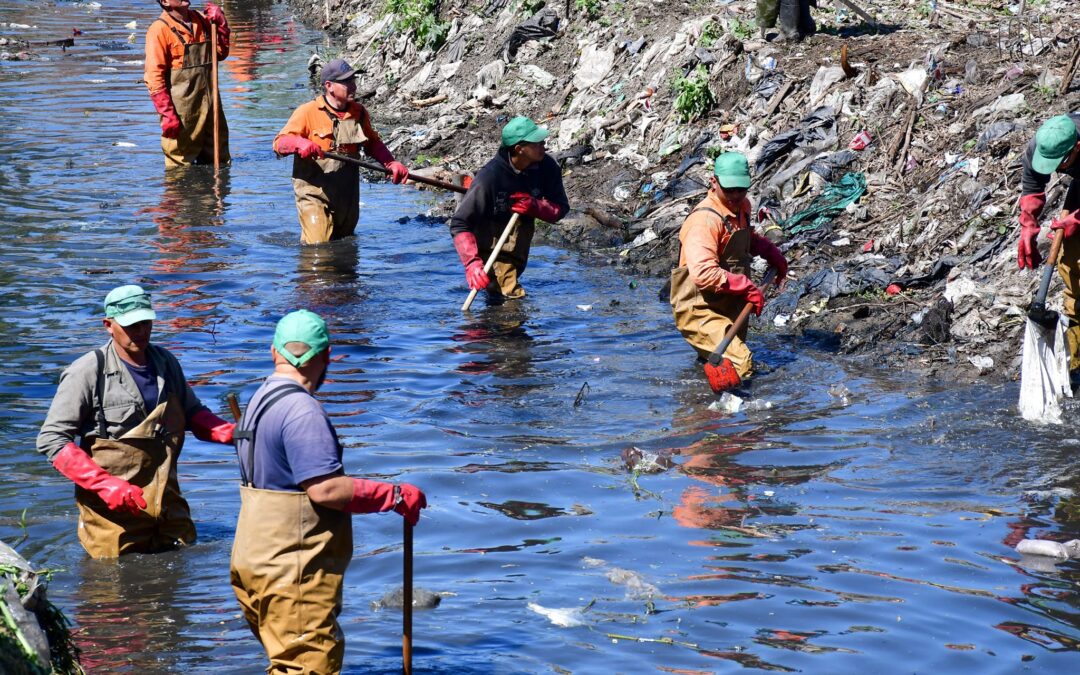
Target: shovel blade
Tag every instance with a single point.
(722, 376)
(1038, 313)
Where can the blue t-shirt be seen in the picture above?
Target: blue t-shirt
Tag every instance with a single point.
(294, 441)
(146, 380)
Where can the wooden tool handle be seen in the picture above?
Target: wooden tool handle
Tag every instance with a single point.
(1048, 270)
(491, 258)
(407, 600)
(740, 320)
(234, 406)
(215, 104)
(382, 169)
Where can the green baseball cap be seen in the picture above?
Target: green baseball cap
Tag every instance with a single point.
(732, 170)
(128, 304)
(1053, 141)
(301, 326)
(522, 129)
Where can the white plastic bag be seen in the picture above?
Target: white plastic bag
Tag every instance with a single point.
(1044, 373)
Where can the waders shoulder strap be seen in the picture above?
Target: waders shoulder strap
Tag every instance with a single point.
(99, 395)
(171, 377)
(334, 121)
(204, 23)
(176, 32)
(246, 432)
(723, 218)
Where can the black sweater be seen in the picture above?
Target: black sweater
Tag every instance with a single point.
(485, 208)
(1033, 183)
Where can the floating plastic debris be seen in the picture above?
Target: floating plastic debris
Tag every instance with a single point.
(1050, 549)
(728, 402)
(564, 617)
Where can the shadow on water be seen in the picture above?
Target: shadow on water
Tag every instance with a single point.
(840, 519)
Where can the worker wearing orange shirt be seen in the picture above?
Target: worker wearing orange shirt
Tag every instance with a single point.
(711, 285)
(328, 190)
(178, 75)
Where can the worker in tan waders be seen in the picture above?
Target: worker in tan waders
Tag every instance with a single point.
(711, 285)
(294, 536)
(1056, 147)
(522, 178)
(129, 404)
(328, 190)
(177, 72)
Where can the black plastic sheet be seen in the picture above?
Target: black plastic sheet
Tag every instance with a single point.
(826, 166)
(814, 127)
(543, 24)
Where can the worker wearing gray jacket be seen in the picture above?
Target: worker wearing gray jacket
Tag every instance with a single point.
(129, 405)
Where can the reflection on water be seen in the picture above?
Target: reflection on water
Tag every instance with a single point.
(109, 633)
(327, 276)
(858, 523)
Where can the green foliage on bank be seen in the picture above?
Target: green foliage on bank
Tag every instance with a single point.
(591, 8)
(693, 98)
(419, 18)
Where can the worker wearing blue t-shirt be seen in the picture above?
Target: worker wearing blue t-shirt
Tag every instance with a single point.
(294, 535)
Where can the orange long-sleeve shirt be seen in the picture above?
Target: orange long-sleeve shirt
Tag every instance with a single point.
(311, 121)
(703, 237)
(165, 51)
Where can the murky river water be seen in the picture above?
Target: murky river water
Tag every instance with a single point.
(858, 523)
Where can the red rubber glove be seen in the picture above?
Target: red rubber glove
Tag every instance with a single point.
(170, 123)
(1027, 253)
(371, 496)
(117, 493)
(304, 148)
(215, 16)
(763, 248)
(409, 501)
(209, 427)
(1067, 224)
(398, 172)
(722, 377)
(476, 276)
(465, 243)
(740, 284)
(527, 205)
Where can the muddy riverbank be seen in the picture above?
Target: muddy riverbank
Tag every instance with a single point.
(902, 252)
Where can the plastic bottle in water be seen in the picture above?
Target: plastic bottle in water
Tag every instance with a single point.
(1050, 549)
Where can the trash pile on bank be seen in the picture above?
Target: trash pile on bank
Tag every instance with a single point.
(886, 155)
(34, 637)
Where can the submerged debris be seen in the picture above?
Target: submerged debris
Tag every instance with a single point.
(644, 461)
(395, 599)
